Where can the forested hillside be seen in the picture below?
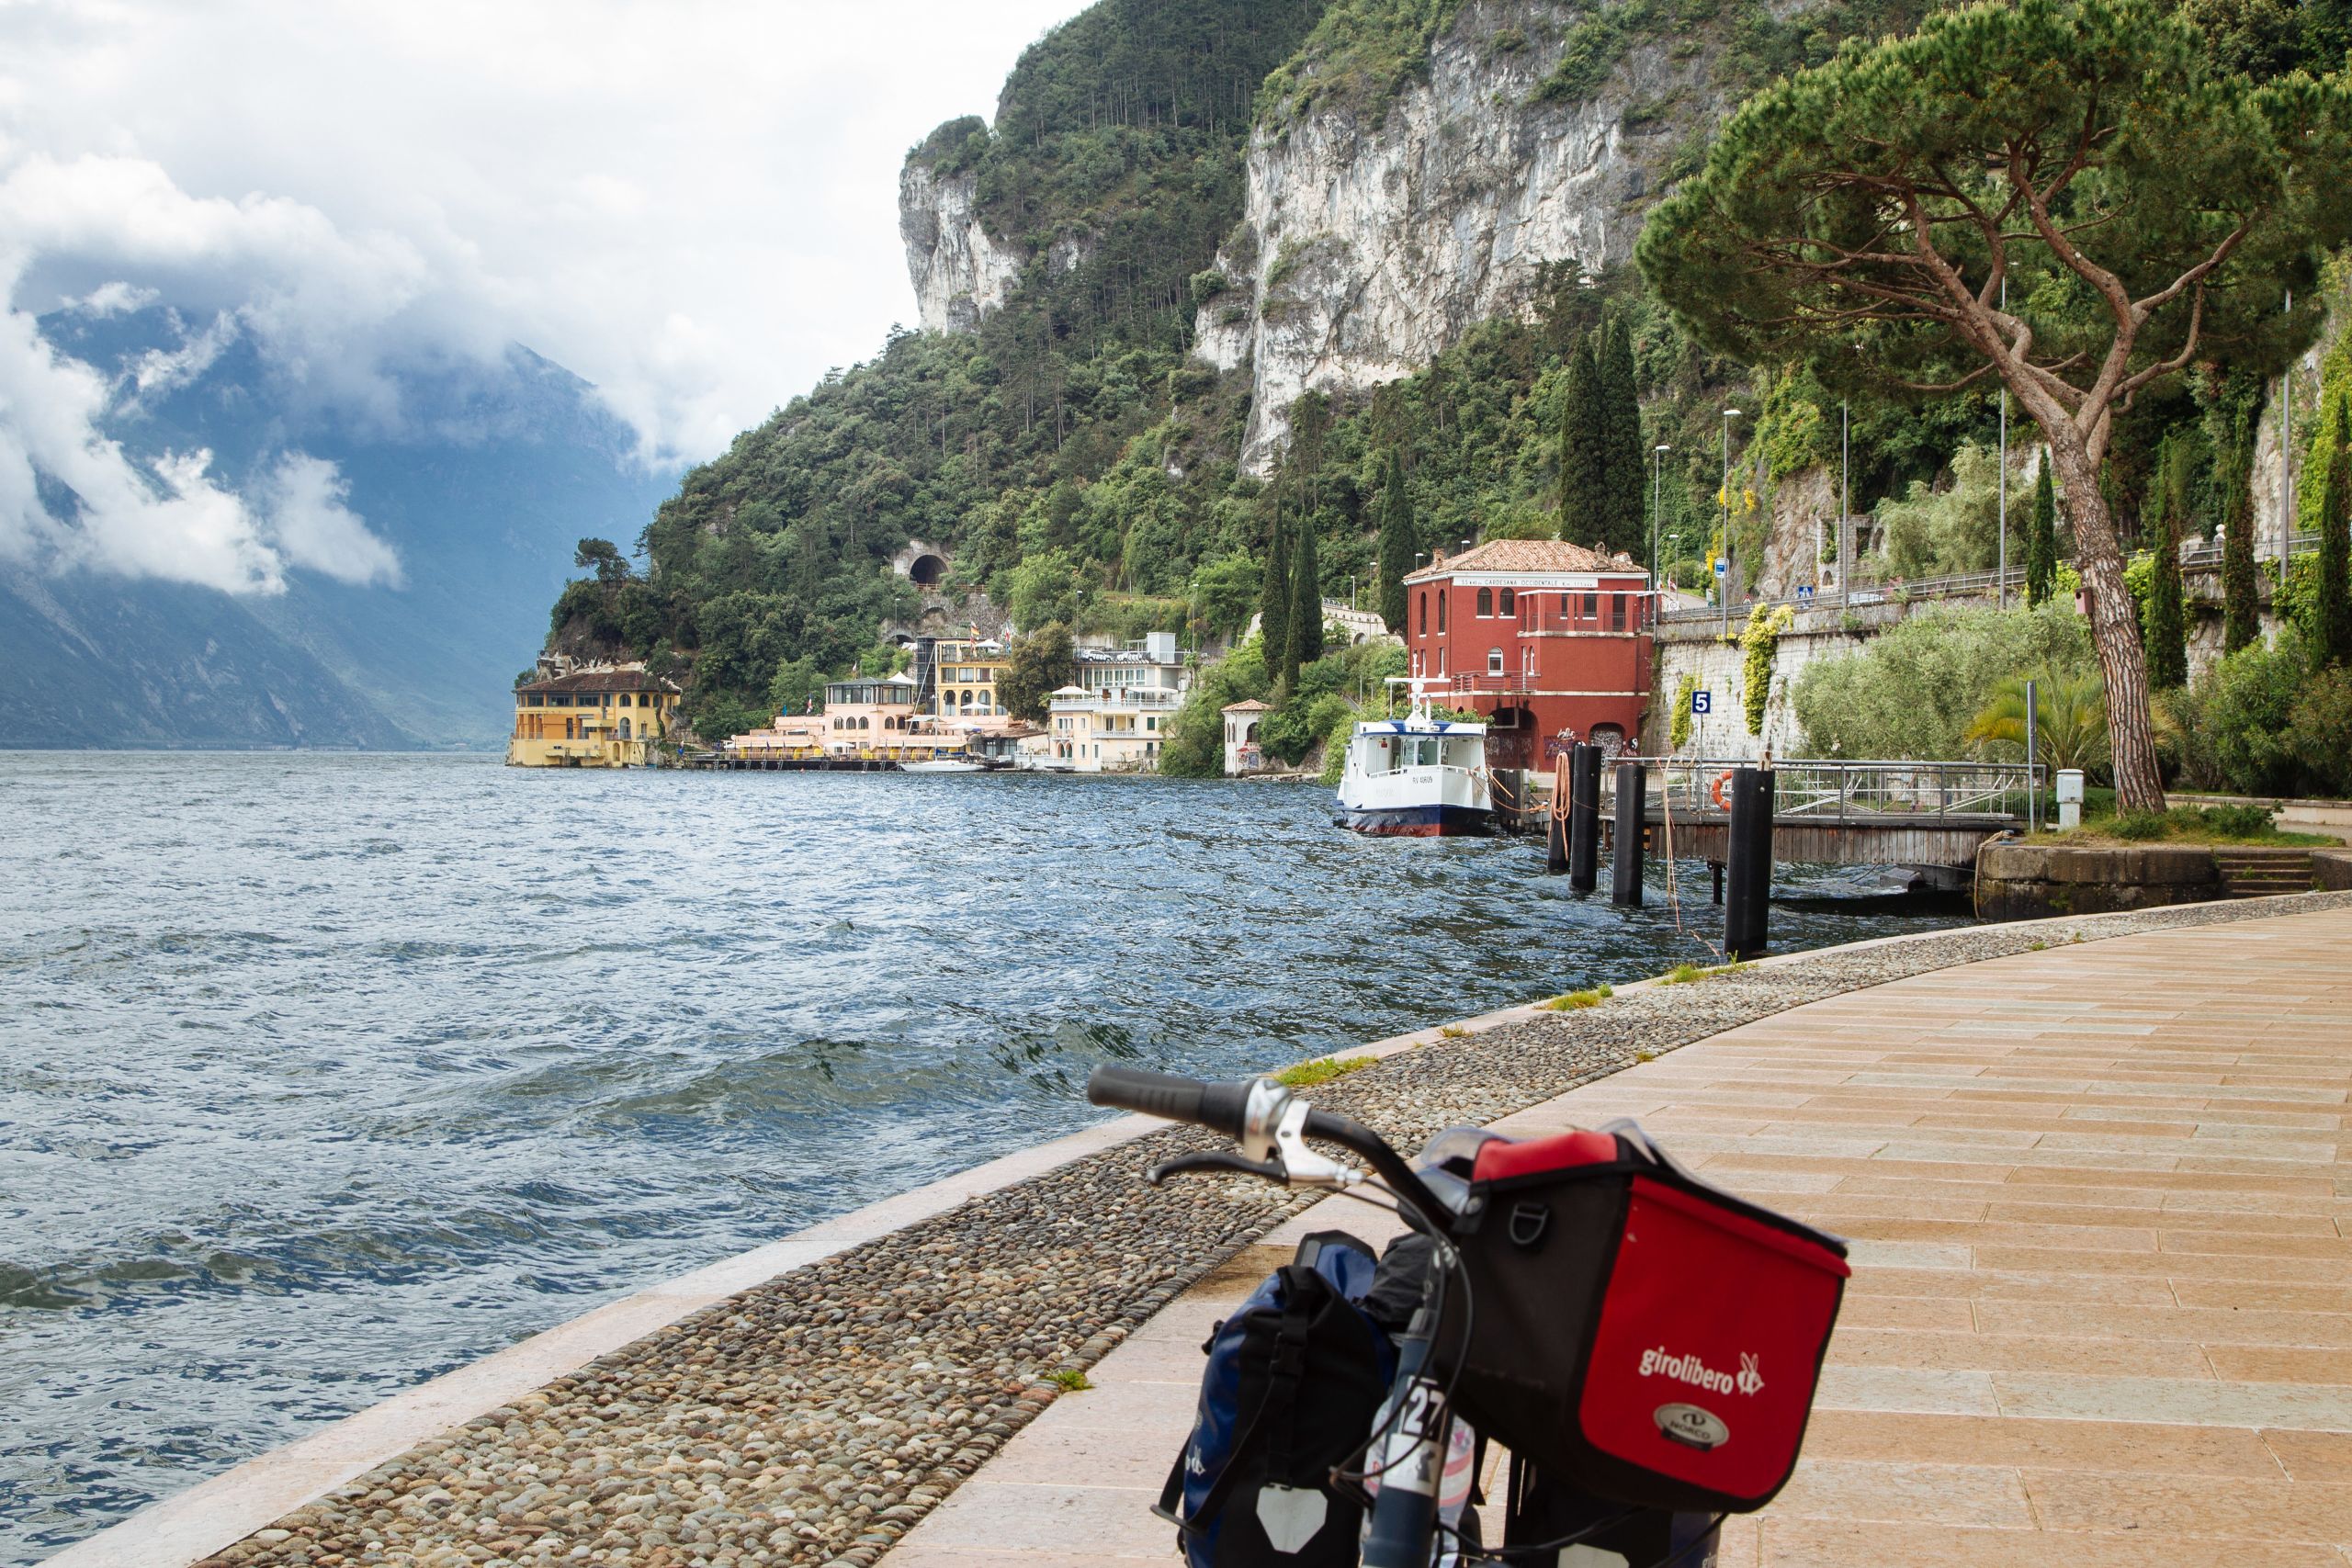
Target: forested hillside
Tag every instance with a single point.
(1082, 466)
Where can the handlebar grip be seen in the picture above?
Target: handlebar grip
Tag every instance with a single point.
(1219, 1107)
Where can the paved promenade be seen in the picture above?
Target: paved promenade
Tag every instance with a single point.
(2101, 1312)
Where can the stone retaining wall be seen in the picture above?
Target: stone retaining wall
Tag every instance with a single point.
(2023, 882)
(2332, 870)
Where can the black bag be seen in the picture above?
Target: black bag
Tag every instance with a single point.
(1294, 1380)
(1540, 1513)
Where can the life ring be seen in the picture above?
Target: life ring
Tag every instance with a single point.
(1715, 790)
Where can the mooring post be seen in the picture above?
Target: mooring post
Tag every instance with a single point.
(1716, 867)
(1584, 818)
(1625, 849)
(1555, 820)
(1748, 891)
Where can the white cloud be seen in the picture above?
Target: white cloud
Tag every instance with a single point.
(312, 527)
(112, 299)
(693, 205)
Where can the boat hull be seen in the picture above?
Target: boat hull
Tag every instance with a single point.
(1431, 821)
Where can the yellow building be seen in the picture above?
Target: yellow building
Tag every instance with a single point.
(968, 678)
(606, 716)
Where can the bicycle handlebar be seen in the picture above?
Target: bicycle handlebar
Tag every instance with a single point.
(1219, 1107)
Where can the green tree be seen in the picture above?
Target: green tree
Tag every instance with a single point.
(1584, 474)
(2332, 641)
(2166, 619)
(2041, 541)
(2142, 208)
(2241, 598)
(1038, 664)
(1226, 589)
(611, 568)
(1306, 629)
(1044, 590)
(1273, 597)
(2069, 719)
(1397, 540)
(1623, 468)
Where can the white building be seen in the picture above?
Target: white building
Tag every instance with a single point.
(1242, 753)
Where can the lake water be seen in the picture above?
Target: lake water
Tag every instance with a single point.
(320, 1075)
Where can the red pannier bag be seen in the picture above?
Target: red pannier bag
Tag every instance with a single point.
(1631, 1330)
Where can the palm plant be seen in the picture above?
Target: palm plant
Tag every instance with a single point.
(2070, 719)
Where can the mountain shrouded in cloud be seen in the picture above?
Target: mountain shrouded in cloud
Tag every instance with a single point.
(275, 467)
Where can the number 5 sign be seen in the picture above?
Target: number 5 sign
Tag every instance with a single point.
(1703, 702)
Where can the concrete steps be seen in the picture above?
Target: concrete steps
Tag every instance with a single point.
(2254, 872)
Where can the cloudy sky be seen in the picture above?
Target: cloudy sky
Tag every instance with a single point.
(691, 203)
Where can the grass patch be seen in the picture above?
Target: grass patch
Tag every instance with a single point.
(1684, 973)
(1323, 1070)
(1570, 1000)
(2102, 824)
(1451, 1031)
(1070, 1380)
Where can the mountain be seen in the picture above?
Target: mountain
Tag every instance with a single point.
(480, 477)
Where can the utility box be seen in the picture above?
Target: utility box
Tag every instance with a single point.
(2069, 798)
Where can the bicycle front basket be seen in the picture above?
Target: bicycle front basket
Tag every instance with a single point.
(1646, 1337)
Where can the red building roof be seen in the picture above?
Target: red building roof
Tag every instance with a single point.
(1525, 555)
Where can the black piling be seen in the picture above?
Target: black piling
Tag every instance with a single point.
(1555, 821)
(1584, 818)
(1749, 883)
(1625, 847)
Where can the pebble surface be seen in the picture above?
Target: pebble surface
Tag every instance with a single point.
(813, 1419)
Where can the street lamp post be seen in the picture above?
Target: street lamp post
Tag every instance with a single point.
(1723, 593)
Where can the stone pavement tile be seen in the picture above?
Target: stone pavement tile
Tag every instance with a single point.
(2262, 1293)
(2254, 1244)
(2305, 1185)
(1053, 1455)
(2087, 1238)
(2211, 1404)
(1088, 1522)
(1969, 1351)
(2192, 1507)
(1904, 1312)
(2206, 1326)
(1974, 1285)
(1794, 1543)
(2313, 1456)
(917, 1554)
(2320, 1227)
(1907, 1491)
(2170, 1264)
(2273, 1363)
(1866, 1254)
(1901, 1388)
(1829, 1208)
(2141, 1448)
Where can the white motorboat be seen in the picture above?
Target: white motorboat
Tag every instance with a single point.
(944, 764)
(1419, 776)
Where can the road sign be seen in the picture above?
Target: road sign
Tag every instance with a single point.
(1723, 566)
(1703, 702)
(1804, 592)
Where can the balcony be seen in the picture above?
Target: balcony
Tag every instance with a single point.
(1473, 685)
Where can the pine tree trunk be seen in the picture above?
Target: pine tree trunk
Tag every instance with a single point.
(2115, 629)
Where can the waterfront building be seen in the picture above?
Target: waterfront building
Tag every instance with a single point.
(1150, 664)
(968, 671)
(788, 737)
(1243, 752)
(599, 715)
(1541, 638)
(866, 715)
(1109, 729)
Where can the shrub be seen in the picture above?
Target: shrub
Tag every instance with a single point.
(2248, 700)
(2319, 731)
(1323, 1070)
(2237, 821)
(2141, 825)
(1917, 688)
(1679, 727)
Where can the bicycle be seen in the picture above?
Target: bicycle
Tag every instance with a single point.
(1402, 1461)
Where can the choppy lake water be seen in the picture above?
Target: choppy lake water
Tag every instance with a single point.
(320, 1075)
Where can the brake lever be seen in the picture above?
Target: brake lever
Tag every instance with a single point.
(1216, 1159)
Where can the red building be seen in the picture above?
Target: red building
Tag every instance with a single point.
(1541, 636)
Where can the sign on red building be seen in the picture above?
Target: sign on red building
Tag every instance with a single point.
(1545, 640)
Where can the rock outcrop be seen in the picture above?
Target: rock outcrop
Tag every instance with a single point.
(960, 274)
(1374, 236)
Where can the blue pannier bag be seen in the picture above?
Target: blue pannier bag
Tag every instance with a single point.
(1294, 1380)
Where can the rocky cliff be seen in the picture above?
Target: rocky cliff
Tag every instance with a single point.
(959, 273)
(1376, 233)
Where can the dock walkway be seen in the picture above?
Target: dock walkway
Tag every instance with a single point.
(2101, 1312)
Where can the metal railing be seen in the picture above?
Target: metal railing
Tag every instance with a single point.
(1861, 594)
(1838, 791)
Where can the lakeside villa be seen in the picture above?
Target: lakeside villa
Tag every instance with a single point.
(607, 716)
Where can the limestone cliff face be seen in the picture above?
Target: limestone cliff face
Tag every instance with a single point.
(959, 273)
(1372, 239)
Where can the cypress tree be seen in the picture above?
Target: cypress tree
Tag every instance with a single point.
(2240, 600)
(1306, 603)
(2041, 541)
(1584, 488)
(2167, 622)
(1273, 598)
(1622, 466)
(1396, 541)
(2335, 627)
